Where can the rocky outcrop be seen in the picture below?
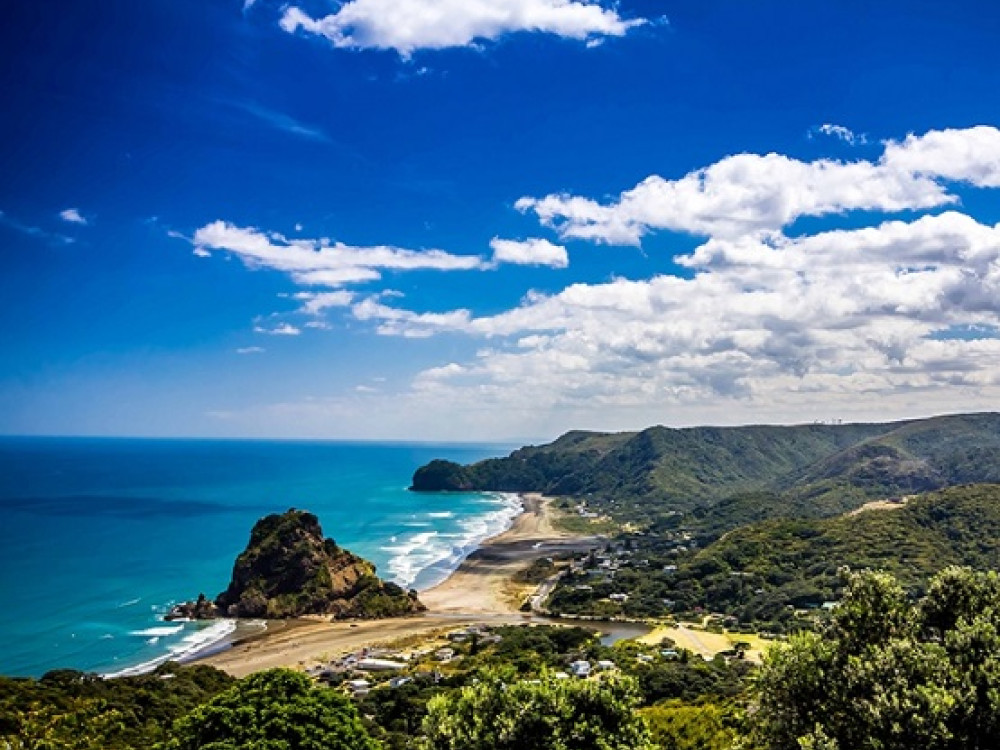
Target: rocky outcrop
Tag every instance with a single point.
(201, 608)
(289, 569)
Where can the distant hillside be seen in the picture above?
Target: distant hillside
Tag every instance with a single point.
(796, 561)
(805, 470)
(754, 572)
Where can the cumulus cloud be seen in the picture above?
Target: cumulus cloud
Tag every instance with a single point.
(898, 315)
(752, 193)
(410, 25)
(763, 321)
(322, 262)
(73, 216)
(530, 252)
(971, 155)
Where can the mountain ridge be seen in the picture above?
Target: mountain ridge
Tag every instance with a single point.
(815, 469)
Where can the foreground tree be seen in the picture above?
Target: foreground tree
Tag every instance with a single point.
(549, 714)
(274, 710)
(889, 674)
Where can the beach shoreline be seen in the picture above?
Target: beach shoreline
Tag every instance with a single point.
(481, 589)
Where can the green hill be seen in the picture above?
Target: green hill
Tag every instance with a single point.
(757, 571)
(805, 470)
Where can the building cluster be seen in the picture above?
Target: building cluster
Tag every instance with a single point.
(357, 670)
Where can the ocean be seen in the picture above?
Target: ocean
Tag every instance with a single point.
(99, 537)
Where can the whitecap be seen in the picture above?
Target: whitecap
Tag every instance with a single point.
(429, 557)
(194, 642)
(158, 632)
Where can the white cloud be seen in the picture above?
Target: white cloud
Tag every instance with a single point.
(971, 155)
(250, 350)
(395, 322)
(410, 25)
(283, 329)
(764, 324)
(73, 216)
(899, 317)
(842, 133)
(530, 252)
(749, 193)
(316, 303)
(323, 262)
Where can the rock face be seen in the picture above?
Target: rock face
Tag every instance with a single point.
(289, 569)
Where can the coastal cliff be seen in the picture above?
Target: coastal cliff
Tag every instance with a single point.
(290, 569)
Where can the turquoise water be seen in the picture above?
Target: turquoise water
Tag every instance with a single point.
(98, 537)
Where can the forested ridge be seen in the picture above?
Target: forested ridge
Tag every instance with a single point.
(806, 470)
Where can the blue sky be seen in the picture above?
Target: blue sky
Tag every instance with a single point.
(495, 220)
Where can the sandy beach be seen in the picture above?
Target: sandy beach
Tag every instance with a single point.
(482, 589)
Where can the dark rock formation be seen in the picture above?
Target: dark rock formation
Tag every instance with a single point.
(289, 569)
(200, 609)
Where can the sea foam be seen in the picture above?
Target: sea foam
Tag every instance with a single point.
(158, 632)
(424, 559)
(197, 639)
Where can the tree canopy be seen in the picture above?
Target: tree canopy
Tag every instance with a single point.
(274, 710)
(545, 714)
(891, 673)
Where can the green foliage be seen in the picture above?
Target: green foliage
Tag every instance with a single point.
(79, 711)
(274, 710)
(761, 572)
(548, 714)
(889, 674)
(691, 679)
(441, 475)
(676, 725)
